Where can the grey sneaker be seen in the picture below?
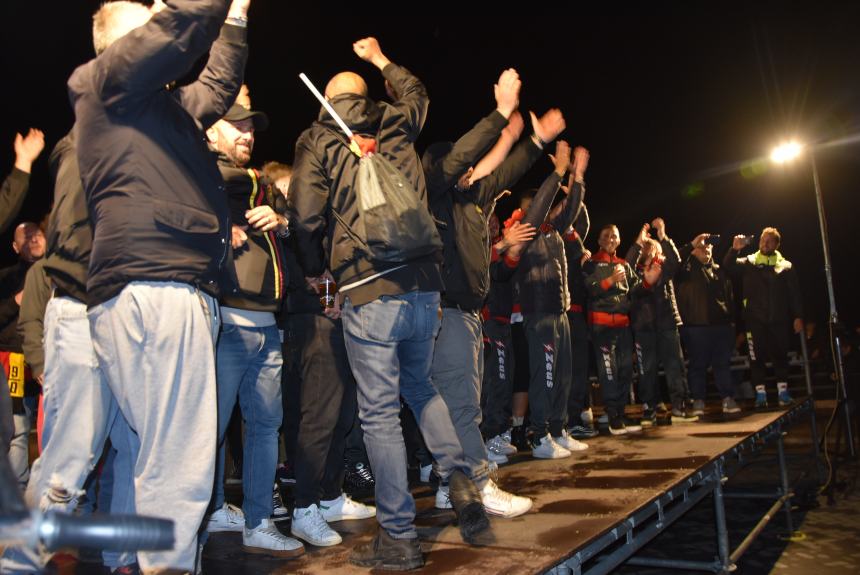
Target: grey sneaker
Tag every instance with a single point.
(730, 406)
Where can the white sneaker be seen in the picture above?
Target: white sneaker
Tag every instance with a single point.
(267, 540)
(424, 473)
(570, 443)
(344, 509)
(443, 500)
(548, 449)
(228, 518)
(587, 416)
(499, 502)
(309, 524)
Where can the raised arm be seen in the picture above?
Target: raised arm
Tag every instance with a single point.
(160, 51)
(211, 95)
(16, 184)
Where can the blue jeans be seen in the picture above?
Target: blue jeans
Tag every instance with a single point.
(390, 346)
(249, 363)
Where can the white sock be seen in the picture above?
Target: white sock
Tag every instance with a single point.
(781, 386)
(517, 421)
(760, 389)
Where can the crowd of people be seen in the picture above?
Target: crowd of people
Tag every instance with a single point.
(364, 303)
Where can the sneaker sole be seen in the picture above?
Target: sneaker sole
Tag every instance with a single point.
(618, 431)
(315, 542)
(274, 552)
(280, 518)
(336, 518)
(552, 456)
(509, 514)
(731, 411)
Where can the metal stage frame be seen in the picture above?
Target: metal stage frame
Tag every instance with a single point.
(619, 544)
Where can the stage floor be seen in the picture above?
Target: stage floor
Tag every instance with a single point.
(575, 500)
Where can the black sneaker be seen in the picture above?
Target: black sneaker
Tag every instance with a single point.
(519, 438)
(616, 425)
(279, 510)
(387, 553)
(468, 505)
(359, 477)
(582, 431)
(649, 417)
(632, 425)
(285, 474)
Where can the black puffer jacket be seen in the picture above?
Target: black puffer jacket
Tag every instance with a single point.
(542, 274)
(604, 298)
(260, 263)
(656, 308)
(463, 213)
(325, 173)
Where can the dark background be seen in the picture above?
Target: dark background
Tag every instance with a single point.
(675, 101)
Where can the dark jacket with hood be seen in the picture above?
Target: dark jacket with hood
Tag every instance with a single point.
(155, 196)
(656, 309)
(770, 286)
(542, 272)
(705, 295)
(260, 263)
(325, 173)
(12, 195)
(463, 214)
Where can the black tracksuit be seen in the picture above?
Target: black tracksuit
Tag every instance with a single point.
(573, 250)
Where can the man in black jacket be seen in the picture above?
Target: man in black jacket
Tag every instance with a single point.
(705, 300)
(390, 310)
(161, 238)
(463, 207)
(772, 308)
(248, 358)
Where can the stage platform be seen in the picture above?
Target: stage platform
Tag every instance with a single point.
(591, 511)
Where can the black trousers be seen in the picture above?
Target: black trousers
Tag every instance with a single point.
(768, 342)
(578, 399)
(322, 403)
(660, 347)
(498, 381)
(548, 337)
(613, 352)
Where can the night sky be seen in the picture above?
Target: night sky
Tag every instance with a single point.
(678, 103)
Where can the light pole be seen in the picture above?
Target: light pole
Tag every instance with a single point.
(781, 155)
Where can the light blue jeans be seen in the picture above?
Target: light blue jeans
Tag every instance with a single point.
(155, 343)
(250, 361)
(390, 346)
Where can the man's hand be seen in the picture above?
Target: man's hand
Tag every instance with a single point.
(28, 148)
(518, 233)
(586, 255)
(368, 50)
(515, 126)
(618, 274)
(238, 237)
(643, 235)
(507, 92)
(239, 9)
(699, 241)
(739, 243)
(652, 273)
(548, 126)
(659, 225)
(333, 312)
(265, 219)
(561, 159)
(580, 163)
(798, 325)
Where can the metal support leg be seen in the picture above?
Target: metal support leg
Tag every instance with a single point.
(813, 426)
(786, 488)
(720, 514)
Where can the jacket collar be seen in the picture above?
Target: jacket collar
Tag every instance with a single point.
(604, 257)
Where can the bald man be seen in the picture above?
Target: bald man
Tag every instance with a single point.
(391, 310)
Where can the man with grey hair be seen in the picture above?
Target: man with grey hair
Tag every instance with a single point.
(161, 239)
